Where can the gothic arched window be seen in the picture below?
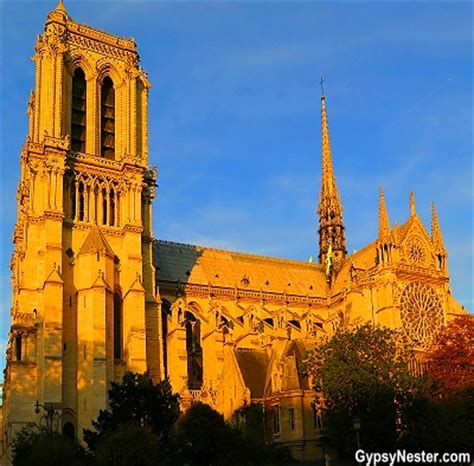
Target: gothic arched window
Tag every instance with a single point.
(81, 205)
(117, 326)
(107, 120)
(69, 431)
(194, 351)
(104, 206)
(112, 221)
(78, 111)
(72, 190)
(18, 347)
(165, 312)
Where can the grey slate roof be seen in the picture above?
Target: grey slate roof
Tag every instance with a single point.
(253, 366)
(207, 266)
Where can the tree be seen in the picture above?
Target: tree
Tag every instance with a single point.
(137, 401)
(204, 438)
(129, 445)
(363, 374)
(252, 427)
(442, 418)
(450, 365)
(35, 445)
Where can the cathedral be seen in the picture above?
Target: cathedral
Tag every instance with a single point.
(95, 294)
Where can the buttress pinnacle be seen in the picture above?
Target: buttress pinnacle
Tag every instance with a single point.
(384, 224)
(436, 237)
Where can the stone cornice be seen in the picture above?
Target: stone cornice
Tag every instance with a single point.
(87, 162)
(238, 294)
(105, 38)
(413, 272)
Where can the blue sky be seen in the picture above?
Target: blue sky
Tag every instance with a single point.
(235, 117)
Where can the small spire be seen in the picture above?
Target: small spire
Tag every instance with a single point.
(384, 224)
(436, 237)
(412, 204)
(61, 8)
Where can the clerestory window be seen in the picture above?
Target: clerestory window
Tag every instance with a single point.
(194, 351)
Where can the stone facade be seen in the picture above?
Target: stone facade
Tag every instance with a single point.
(95, 295)
(83, 307)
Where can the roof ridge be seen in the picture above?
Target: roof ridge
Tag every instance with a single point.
(367, 246)
(300, 263)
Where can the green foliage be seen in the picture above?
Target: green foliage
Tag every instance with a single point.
(142, 427)
(204, 438)
(36, 446)
(440, 425)
(137, 400)
(251, 420)
(128, 445)
(364, 374)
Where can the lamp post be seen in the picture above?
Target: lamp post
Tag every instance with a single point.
(50, 413)
(356, 422)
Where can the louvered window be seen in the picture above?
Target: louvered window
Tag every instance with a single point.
(78, 112)
(107, 140)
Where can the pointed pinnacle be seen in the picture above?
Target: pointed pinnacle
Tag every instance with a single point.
(412, 204)
(60, 6)
(384, 224)
(436, 237)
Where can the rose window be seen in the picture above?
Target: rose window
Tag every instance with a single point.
(415, 250)
(421, 312)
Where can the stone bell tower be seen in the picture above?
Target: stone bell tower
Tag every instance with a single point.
(83, 307)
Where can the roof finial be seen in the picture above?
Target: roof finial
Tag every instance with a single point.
(436, 237)
(412, 204)
(60, 6)
(384, 224)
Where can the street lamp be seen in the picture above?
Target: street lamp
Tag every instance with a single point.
(50, 413)
(356, 422)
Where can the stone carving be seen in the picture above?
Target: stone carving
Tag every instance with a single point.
(415, 250)
(421, 312)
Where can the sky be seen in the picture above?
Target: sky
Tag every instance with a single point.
(234, 120)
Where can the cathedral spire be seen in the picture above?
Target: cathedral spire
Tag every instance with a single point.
(332, 241)
(436, 237)
(384, 224)
(328, 180)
